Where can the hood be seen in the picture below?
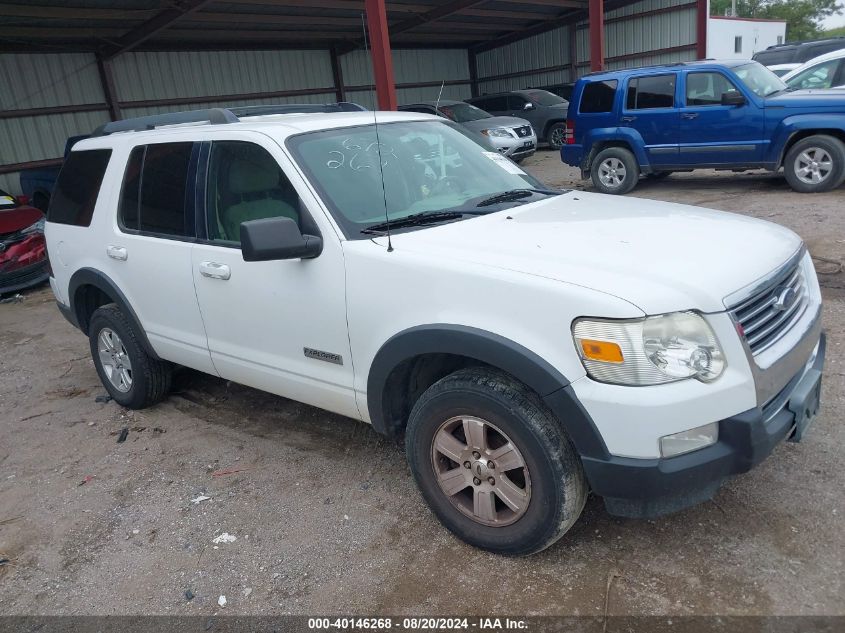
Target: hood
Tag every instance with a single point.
(13, 220)
(659, 256)
(496, 121)
(830, 98)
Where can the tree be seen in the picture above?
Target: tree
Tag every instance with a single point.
(803, 17)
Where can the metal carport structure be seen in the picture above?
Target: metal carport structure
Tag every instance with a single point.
(66, 69)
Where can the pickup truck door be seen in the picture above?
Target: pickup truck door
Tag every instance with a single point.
(650, 109)
(714, 134)
(279, 326)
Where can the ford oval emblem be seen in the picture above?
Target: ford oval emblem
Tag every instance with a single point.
(786, 297)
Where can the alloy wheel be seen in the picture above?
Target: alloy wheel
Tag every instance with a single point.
(114, 360)
(481, 471)
(612, 172)
(813, 165)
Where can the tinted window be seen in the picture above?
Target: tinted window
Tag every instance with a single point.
(130, 193)
(598, 96)
(78, 186)
(164, 187)
(493, 104)
(651, 92)
(516, 102)
(245, 183)
(705, 89)
(810, 52)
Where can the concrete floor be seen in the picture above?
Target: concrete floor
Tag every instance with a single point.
(326, 515)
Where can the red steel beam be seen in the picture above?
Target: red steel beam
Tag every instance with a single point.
(596, 35)
(701, 29)
(380, 54)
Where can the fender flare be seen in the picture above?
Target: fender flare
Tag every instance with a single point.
(101, 281)
(795, 124)
(496, 351)
(629, 136)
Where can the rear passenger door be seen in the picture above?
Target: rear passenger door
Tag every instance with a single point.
(149, 254)
(279, 326)
(650, 109)
(716, 134)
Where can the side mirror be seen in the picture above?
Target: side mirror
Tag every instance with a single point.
(271, 239)
(528, 106)
(733, 98)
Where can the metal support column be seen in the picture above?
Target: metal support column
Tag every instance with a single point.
(596, 20)
(380, 53)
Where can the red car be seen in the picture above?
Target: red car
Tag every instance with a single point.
(23, 252)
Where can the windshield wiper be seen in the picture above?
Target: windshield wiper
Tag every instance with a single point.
(514, 194)
(415, 219)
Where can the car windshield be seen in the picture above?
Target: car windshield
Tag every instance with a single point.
(544, 98)
(759, 79)
(464, 112)
(426, 167)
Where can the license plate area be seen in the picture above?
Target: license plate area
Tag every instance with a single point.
(805, 402)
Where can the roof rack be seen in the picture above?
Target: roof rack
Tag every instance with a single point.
(219, 116)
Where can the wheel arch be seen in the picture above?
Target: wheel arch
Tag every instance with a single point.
(89, 289)
(412, 360)
(799, 135)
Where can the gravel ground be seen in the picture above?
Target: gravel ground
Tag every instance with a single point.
(326, 516)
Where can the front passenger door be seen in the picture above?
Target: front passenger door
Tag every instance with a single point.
(716, 134)
(279, 326)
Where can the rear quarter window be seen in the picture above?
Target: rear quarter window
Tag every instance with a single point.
(598, 96)
(78, 186)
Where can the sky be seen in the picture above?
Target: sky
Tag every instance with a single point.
(835, 21)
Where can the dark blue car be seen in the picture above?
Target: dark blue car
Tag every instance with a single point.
(734, 115)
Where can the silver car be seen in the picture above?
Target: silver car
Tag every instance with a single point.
(511, 136)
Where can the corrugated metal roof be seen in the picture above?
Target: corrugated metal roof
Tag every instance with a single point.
(40, 81)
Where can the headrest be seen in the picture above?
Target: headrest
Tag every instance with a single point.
(246, 176)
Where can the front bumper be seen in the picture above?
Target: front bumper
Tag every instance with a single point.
(643, 488)
(24, 277)
(515, 148)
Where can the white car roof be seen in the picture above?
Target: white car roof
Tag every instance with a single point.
(279, 126)
(816, 60)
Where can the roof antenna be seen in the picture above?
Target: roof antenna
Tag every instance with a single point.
(378, 144)
(439, 94)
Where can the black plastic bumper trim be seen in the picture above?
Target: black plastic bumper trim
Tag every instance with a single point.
(644, 488)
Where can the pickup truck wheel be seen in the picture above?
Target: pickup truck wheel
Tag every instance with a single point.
(132, 377)
(615, 170)
(557, 135)
(493, 463)
(815, 164)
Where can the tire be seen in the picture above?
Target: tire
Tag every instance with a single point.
(556, 135)
(615, 170)
(658, 175)
(821, 148)
(139, 379)
(549, 489)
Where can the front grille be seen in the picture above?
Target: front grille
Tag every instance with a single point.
(23, 277)
(523, 131)
(769, 313)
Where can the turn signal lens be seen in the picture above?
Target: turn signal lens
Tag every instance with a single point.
(602, 351)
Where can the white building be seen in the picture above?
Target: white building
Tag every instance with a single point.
(740, 38)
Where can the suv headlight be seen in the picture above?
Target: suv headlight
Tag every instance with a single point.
(649, 351)
(497, 131)
(38, 227)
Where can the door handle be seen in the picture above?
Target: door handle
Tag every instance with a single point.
(628, 119)
(213, 270)
(689, 115)
(117, 252)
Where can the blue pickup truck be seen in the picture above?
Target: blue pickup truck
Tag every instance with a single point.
(733, 115)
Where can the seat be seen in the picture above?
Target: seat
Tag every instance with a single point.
(255, 193)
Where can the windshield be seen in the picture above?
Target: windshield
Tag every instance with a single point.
(544, 98)
(818, 76)
(428, 166)
(759, 79)
(464, 112)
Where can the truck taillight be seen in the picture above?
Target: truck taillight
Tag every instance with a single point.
(570, 132)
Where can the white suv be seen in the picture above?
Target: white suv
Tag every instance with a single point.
(530, 345)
